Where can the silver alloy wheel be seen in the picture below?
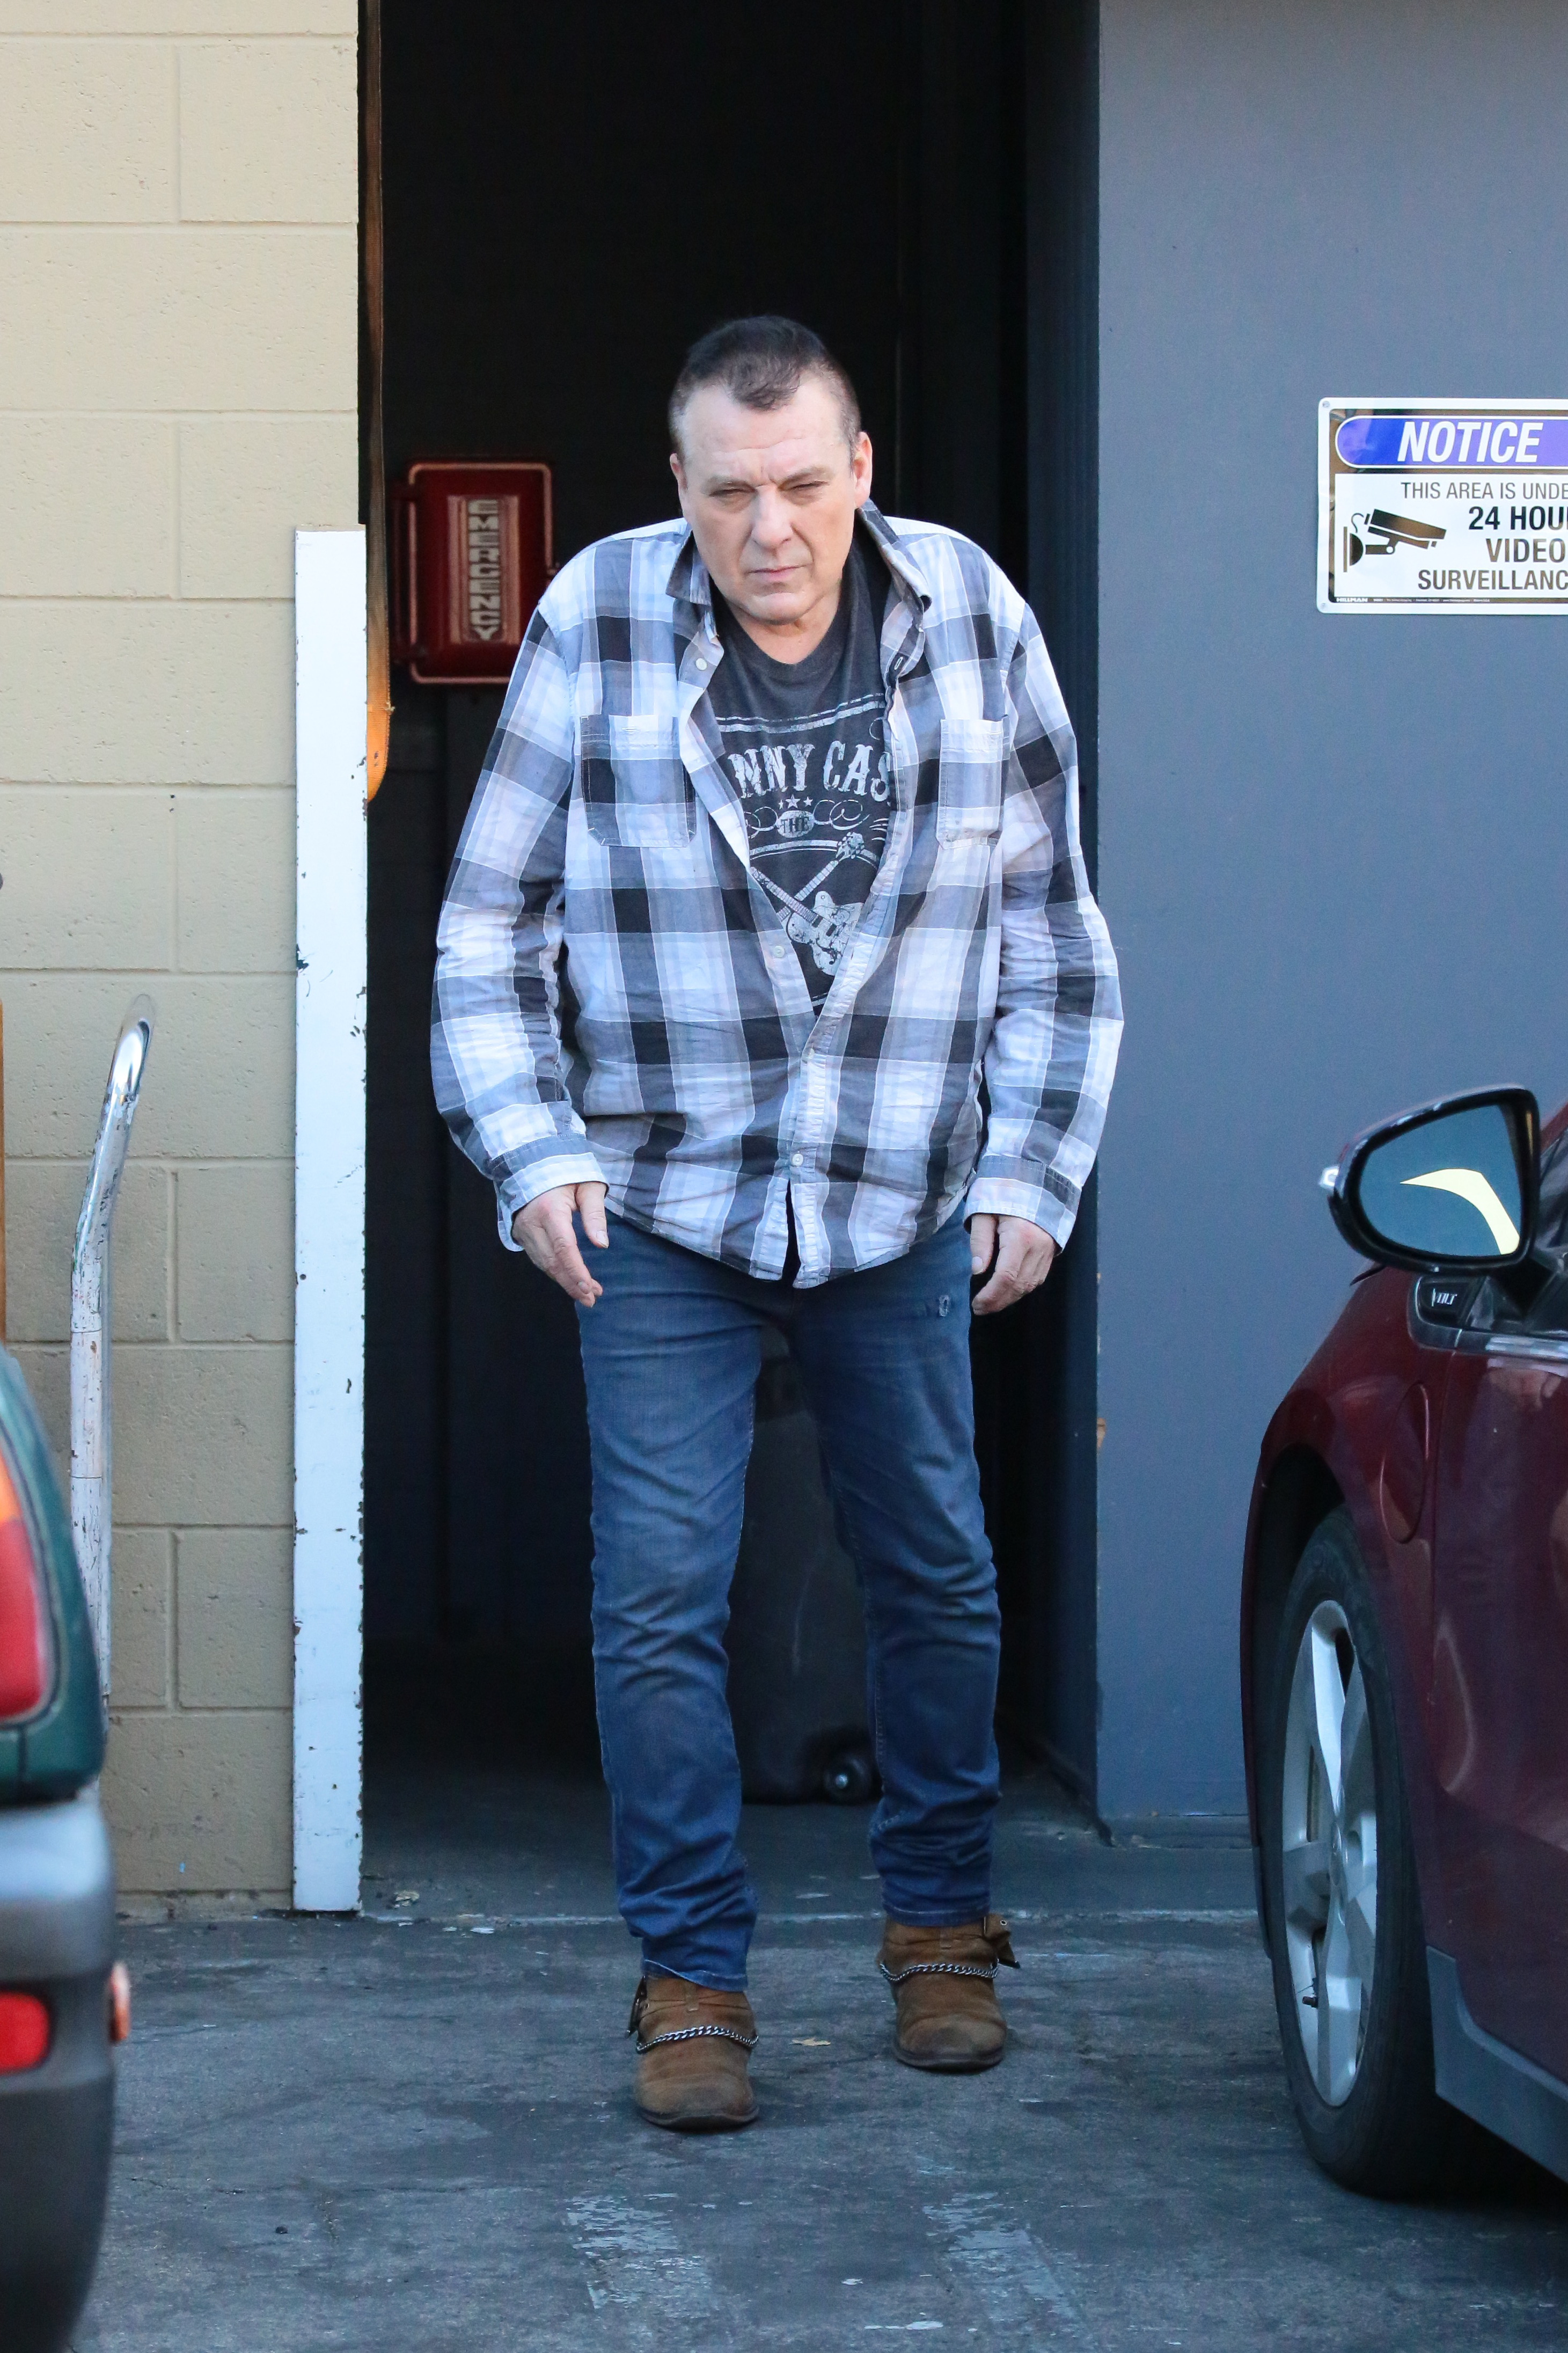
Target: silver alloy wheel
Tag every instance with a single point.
(1329, 1841)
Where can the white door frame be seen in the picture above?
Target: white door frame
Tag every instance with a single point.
(328, 1215)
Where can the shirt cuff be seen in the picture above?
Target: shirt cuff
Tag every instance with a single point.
(1009, 1197)
(568, 1167)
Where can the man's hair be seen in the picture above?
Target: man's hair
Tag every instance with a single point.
(759, 362)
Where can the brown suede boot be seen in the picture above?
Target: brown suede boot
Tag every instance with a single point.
(947, 2019)
(692, 2047)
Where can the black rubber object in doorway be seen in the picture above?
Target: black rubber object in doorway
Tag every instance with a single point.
(796, 1636)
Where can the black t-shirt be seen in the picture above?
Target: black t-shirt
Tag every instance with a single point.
(805, 749)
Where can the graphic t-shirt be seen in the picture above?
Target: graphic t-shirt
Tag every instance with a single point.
(805, 750)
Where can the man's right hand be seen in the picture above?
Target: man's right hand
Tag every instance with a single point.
(544, 1231)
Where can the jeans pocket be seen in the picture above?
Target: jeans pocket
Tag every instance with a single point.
(635, 793)
(969, 780)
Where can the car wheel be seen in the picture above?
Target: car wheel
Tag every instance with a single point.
(1348, 1945)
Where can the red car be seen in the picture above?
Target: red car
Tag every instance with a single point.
(1405, 1659)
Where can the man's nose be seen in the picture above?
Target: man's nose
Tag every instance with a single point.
(771, 523)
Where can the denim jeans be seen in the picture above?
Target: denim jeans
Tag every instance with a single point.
(671, 1354)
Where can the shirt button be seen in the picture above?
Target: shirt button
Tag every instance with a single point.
(806, 1052)
(700, 663)
(796, 1159)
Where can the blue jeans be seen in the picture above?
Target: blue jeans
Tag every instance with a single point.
(671, 1354)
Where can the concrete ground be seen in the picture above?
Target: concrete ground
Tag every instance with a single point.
(413, 2130)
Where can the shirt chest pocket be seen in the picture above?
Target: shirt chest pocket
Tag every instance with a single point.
(969, 780)
(635, 793)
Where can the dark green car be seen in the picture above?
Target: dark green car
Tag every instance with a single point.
(57, 2004)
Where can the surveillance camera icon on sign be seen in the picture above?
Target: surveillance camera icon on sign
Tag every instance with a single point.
(1380, 533)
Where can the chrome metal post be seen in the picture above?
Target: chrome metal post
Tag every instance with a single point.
(91, 1451)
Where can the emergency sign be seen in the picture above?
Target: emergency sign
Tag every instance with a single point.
(471, 555)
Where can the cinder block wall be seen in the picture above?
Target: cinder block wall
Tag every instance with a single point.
(178, 385)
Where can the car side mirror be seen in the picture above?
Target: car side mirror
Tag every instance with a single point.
(1450, 1188)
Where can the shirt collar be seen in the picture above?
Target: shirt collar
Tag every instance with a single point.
(690, 582)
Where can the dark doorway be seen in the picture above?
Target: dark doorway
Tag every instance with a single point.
(569, 200)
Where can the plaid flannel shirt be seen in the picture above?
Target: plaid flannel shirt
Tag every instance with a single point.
(617, 1000)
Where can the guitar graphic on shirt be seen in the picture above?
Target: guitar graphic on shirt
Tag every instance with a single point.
(824, 926)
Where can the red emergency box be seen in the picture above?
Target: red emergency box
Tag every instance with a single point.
(471, 553)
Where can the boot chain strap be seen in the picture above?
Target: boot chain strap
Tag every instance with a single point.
(692, 2033)
(939, 1970)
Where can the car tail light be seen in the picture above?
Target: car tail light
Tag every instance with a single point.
(24, 2032)
(25, 1659)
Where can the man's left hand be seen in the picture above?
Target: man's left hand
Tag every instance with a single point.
(1022, 1255)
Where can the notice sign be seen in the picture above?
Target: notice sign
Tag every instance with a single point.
(1442, 506)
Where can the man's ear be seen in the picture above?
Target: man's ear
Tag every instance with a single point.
(678, 471)
(860, 462)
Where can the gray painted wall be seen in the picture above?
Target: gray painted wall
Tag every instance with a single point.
(1333, 851)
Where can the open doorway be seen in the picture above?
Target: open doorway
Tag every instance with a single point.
(569, 201)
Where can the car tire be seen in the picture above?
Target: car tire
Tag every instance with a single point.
(1346, 1934)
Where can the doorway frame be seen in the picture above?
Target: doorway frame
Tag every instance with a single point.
(1047, 263)
(329, 1215)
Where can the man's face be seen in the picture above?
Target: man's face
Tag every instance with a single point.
(771, 496)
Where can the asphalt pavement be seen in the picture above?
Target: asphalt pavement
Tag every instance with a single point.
(412, 2129)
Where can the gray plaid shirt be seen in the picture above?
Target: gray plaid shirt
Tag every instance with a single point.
(617, 1000)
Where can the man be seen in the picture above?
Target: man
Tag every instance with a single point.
(775, 858)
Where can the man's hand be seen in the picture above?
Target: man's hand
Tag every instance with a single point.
(544, 1231)
(1023, 1260)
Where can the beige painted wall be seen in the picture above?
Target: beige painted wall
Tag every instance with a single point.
(178, 306)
